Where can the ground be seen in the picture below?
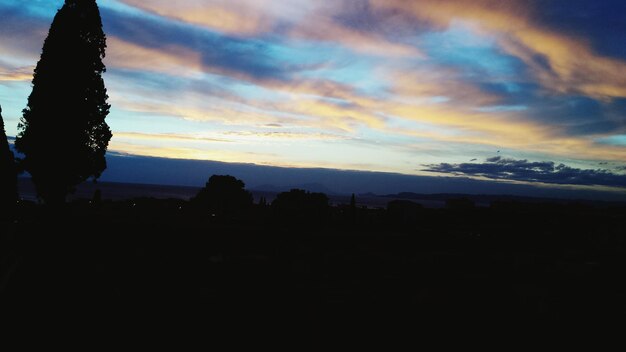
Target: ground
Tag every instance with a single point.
(146, 259)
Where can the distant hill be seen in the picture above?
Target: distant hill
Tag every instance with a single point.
(486, 199)
(122, 191)
(311, 187)
(130, 169)
(114, 190)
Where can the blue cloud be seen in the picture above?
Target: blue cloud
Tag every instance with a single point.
(29, 9)
(250, 57)
(582, 115)
(24, 23)
(601, 22)
(499, 168)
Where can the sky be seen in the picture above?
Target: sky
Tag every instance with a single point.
(530, 92)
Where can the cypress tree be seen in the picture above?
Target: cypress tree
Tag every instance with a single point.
(62, 133)
(8, 176)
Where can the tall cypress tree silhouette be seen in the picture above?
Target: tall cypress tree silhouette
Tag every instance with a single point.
(8, 176)
(62, 133)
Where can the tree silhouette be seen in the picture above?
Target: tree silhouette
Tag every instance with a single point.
(223, 195)
(8, 175)
(62, 133)
(301, 207)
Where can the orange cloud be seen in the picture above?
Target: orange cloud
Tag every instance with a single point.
(569, 65)
(238, 17)
(440, 82)
(572, 68)
(305, 105)
(322, 29)
(302, 20)
(167, 137)
(172, 60)
(17, 74)
(188, 152)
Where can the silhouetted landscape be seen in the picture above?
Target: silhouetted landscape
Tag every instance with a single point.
(489, 248)
(301, 260)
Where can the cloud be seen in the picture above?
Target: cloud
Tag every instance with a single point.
(187, 54)
(410, 78)
(217, 53)
(172, 60)
(235, 17)
(430, 81)
(560, 62)
(22, 31)
(271, 135)
(167, 137)
(325, 104)
(185, 152)
(17, 74)
(549, 172)
(179, 48)
(600, 23)
(224, 137)
(296, 19)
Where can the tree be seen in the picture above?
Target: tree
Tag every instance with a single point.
(62, 133)
(8, 175)
(301, 207)
(223, 195)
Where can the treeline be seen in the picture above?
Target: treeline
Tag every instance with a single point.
(225, 200)
(224, 254)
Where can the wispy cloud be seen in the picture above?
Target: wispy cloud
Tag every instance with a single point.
(297, 19)
(217, 53)
(17, 74)
(167, 137)
(560, 62)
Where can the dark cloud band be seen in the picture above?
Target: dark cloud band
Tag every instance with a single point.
(523, 170)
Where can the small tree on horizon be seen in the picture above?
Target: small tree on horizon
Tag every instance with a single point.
(301, 207)
(62, 133)
(353, 209)
(223, 195)
(8, 175)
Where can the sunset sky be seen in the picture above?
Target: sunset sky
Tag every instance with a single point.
(517, 91)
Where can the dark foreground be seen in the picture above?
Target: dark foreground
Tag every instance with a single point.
(150, 260)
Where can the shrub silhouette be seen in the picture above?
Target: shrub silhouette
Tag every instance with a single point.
(8, 176)
(223, 195)
(62, 133)
(299, 206)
